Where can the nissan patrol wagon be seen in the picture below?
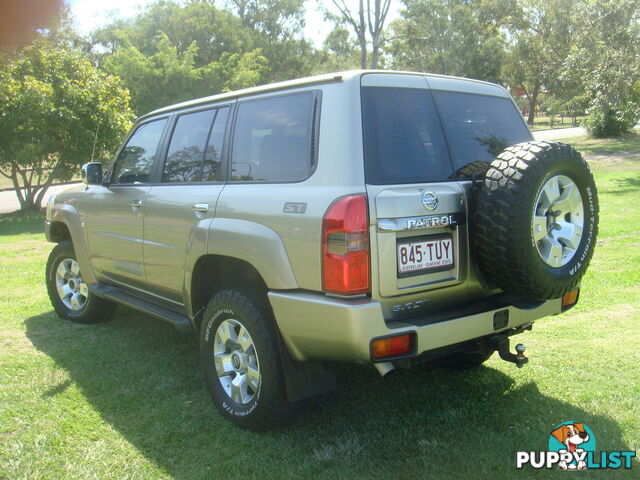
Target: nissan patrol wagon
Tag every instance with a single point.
(383, 218)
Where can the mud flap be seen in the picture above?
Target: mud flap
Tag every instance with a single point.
(304, 379)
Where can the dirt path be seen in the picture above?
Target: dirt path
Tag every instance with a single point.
(9, 200)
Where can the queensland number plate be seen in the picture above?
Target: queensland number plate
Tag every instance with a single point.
(425, 255)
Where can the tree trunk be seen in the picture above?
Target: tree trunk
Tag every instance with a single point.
(16, 187)
(362, 36)
(374, 53)
(43, 190)
(533, 99)
(363, 53)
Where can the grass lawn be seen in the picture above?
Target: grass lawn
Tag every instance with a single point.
(544, 123)
(124, 399)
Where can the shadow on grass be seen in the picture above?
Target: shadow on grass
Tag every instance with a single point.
(626, 184)
(144, 380)
(17, 223)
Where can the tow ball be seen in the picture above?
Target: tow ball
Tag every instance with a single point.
(502, 346)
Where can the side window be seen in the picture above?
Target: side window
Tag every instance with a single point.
(213, 154)
(272, 139)
(135, 161)
(187, 147)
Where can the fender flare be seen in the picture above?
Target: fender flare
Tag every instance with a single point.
(69, 216)
(255, 244)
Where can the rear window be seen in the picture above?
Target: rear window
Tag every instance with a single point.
(403, 139)
(417, 136)
(479, 127)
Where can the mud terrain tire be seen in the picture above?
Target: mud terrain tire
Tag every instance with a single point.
(536, 220)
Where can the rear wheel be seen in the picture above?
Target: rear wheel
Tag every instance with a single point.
(68, 292)
(241, 361)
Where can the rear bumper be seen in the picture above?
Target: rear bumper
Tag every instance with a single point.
(317, 327)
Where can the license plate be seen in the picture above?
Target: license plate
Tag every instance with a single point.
(432, 254)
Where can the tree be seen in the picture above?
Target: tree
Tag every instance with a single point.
(339, 52)
(452, 37)
(57, 111)
(172, 52)
(605, 60)
(364, 20)
(541, 33)
(169, 76)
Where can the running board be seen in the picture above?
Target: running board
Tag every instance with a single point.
(179, 320)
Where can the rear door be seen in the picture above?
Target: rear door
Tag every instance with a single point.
(417, 139)
(184, 197)
(419, 216)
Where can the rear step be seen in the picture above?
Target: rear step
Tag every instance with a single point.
(179, 320)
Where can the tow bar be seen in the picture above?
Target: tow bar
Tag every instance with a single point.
(502, 346)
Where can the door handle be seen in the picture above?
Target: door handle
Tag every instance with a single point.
(200, 207)
(135, 203)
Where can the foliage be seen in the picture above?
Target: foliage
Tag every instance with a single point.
(367, 23)
(168, 76)
(605, 59)
(608, 121)
(57, 111)
(541, 33)
(453, 37)
(172, 52)
(339, 52)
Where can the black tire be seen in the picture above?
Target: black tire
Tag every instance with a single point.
(503, 225)
(464, 360)
(266, 406)
(93, 310)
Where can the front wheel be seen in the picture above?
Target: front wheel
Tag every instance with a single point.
(241, 361)
(68, 292)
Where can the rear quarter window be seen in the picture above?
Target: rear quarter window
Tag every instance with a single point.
(272, 140)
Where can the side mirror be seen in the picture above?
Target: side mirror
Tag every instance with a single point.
(92, 173)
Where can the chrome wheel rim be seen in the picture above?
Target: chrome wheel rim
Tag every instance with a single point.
(558, 220)
(72, 290)
(236, 362)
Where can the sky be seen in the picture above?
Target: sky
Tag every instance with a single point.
(90, 14)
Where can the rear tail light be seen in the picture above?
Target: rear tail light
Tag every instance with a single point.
(345, 246)
(570, 299)
(392, 346)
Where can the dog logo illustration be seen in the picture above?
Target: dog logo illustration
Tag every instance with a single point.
(572, 447)
(572, 441)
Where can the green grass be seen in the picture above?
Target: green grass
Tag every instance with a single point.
(544, 123)
(124, 399)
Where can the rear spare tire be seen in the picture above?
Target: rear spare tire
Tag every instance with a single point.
(536, 220)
